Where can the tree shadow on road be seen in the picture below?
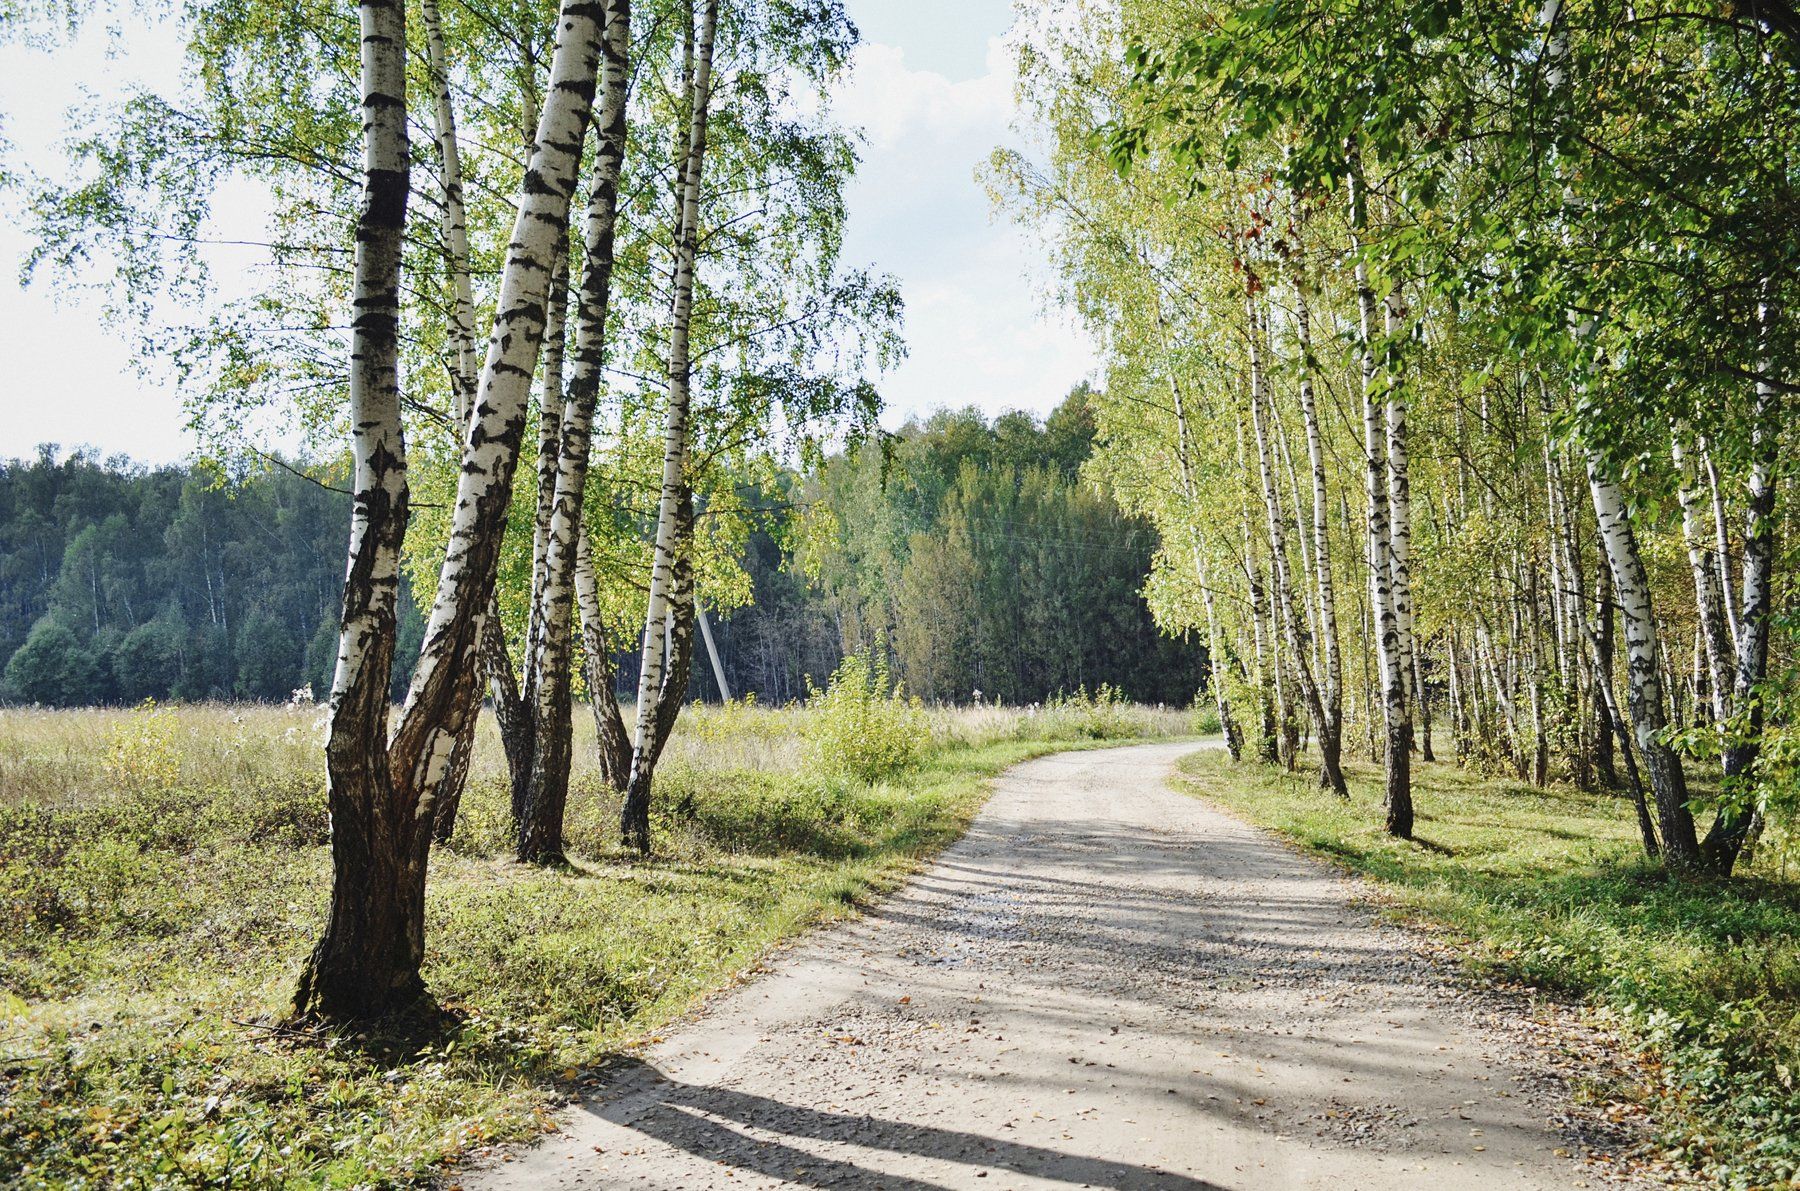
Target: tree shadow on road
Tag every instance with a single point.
(712, 1123)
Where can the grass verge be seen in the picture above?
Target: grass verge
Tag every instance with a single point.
(1550, 890)
(163, 873)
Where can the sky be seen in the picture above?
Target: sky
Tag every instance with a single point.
(931, 85)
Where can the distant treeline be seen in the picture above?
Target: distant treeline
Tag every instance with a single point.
(120, 582)
(973, 549)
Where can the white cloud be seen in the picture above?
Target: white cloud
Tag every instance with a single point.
(975, 328)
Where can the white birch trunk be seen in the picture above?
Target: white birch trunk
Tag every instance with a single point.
(1399, 477)
(1321, 531)
(1384, 607)
(465, 360)
(438, 703)
(1668, 784)
(1722, 552)
(1286, 613)
(1708, 598)
(1736, 824)
(367, 960)
(1215, 651)
(549, 451)
(635, 815)
(540, 828)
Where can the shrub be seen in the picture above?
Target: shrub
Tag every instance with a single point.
(1103, 715)
(1203, 718)
(141, 753)
(864, 727)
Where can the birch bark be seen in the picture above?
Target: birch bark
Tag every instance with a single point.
(1709, 602)
(1668, 784)
(367, 960)
(1385, 609)
(1735, 823)
(1331, 729)
(465, 363)
(612, 741)
(440, 703)
(1287, 614)
(1215, 650)
(540, 827)
(634, 817)
(1600, 654)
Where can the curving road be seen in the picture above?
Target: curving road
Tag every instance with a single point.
(1104, 984)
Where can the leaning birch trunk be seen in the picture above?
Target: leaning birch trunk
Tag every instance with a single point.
(1286, 614)
(1709, 601)
(1399, 478)
(634, 815)
(1331, 729)
(465, 377)
(1397, 802)
(465, 361)
(1644, 693)
(511, 710)
(541, 824)
(1735, 824)
(367, 961)
(612, 740)
(549, 453)
(1234, 737)
(439, 705)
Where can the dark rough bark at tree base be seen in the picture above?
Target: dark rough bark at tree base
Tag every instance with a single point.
(512, 713)
(1397, 803)
(1331, 768)
(366, 965)
(541, 824)
(612, 742)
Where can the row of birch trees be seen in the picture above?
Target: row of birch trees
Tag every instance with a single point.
(1451, 352)
(581, 261)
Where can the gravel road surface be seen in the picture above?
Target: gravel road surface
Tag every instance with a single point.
(1104, 984)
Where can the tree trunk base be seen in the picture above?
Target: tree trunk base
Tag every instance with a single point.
(1397, 803)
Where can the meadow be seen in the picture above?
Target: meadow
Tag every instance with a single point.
(164, 870)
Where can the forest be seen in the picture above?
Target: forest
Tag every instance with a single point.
(967, 549)
(1450, 351)
(1350, 739)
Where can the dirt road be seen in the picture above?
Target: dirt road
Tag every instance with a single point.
(1105, 984)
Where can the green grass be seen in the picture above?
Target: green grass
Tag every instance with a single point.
(1549, 889)
(162, 874)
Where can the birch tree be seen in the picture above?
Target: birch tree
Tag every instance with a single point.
(663, 630)
(540, 823)
(367, 961)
